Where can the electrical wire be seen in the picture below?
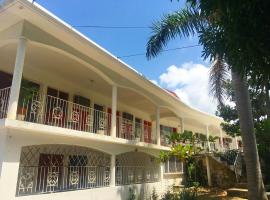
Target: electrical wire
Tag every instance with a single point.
(165, 50)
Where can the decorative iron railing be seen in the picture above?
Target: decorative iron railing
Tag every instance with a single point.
(4, 98)
(126, 175)
(49, 179)
(57, 112)
(131, 130)
(238, 166)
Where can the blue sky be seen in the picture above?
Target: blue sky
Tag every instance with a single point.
(131, 41)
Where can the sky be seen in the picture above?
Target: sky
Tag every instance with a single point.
(182, 71)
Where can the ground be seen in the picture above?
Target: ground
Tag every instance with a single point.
(215, 194)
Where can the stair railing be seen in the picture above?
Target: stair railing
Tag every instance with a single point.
(238, 166)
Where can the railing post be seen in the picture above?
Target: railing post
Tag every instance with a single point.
(16, 80)
(208, 171)
(112, 183)
(221, 139)
(158, 125)
(207, 135)
(114, 110)
(236, 142)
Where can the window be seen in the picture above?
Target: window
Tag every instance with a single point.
(164, 132)
(173, 165)
(138, 128)
(127, 125)
(81, 100)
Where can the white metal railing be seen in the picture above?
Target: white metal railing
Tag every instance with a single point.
(4, 98)
(48, 179)
(125, 128)
(131, 130)
(49, 110)
(126, 175)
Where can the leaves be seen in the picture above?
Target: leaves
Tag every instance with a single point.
(183, 23)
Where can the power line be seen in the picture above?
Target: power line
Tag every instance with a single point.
(165, 50)
(111, 27)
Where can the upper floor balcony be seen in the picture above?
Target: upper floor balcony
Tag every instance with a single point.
(47, 80)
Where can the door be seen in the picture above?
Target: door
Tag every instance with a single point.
(127, 125)
(99, 119)
(56, 107)
(80, 114)
(147, 132)
(50, 172)
(77, 172)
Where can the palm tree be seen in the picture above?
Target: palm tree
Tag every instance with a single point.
(189, 21)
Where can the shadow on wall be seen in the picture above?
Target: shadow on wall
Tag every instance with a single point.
(138, 191)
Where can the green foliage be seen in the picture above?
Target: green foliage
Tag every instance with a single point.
(131, 194)
(154, 195)
(185, 194)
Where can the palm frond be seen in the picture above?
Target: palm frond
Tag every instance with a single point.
(217, 79)
(182, 23)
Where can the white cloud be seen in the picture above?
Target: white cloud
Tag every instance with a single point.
(190, 83)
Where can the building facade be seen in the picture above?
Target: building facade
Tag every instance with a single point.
(76, 122)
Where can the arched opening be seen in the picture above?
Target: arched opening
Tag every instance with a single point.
(57, 168)
(134, 116)
(136, 168)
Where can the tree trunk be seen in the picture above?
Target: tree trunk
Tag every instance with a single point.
(254, 176)
(267, 98)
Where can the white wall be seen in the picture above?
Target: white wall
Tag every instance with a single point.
(16, 139)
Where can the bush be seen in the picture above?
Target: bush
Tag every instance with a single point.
(183, 195)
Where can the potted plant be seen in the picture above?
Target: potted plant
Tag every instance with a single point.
(27, 92)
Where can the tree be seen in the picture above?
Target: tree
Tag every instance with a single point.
(224, 28)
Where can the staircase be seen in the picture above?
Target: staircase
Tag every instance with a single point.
(239, 190)
(233, 159)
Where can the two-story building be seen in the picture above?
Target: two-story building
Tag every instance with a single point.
(76, 121)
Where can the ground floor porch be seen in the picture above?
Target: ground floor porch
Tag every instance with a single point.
(42, 166)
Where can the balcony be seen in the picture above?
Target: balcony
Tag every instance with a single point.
(53, 111)
(4, 98)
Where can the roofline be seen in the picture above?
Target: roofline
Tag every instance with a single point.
(73, 30)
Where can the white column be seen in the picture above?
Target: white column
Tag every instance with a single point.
(112, 170)
(182, 125)
(158, 125)
(16, 80)
(208, 171)
(221, 139)
(114, 110)
(236, 142)
(207, 135)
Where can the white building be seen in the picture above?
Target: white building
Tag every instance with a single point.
(75, 121)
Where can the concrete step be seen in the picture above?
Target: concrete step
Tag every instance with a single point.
(242, 185)
(238, 192)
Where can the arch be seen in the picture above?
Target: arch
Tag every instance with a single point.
(138, 92)
(50, 168)
(81, 61)
(136, 167)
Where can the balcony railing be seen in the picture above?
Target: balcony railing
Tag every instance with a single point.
(53, 111)
(138, 131)
(57, 112)
(126, 175)
(4, 98)
(49, 179)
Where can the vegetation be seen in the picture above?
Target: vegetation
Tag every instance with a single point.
(223, 28)
(185, 194)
